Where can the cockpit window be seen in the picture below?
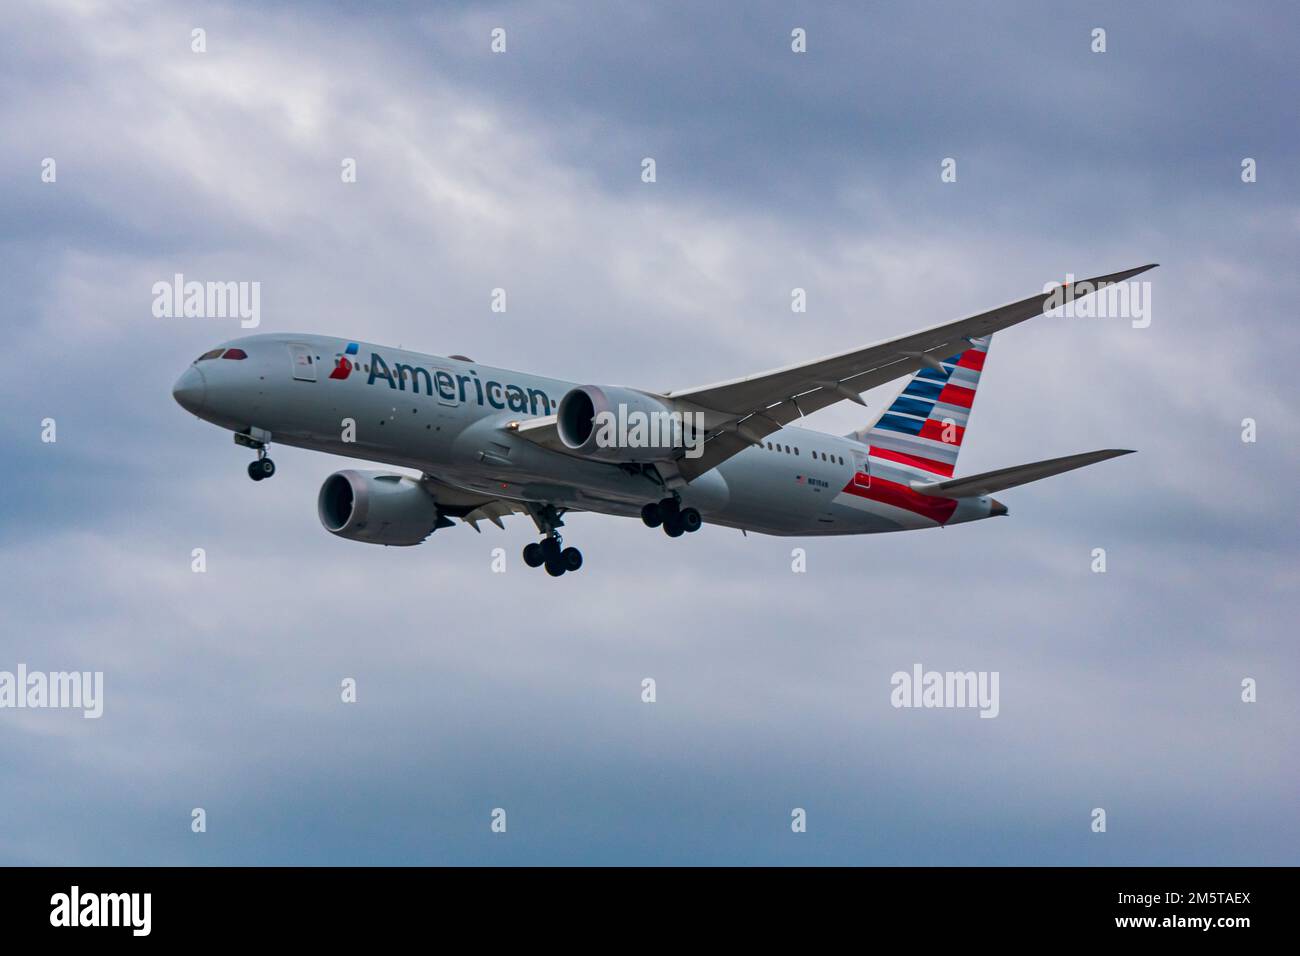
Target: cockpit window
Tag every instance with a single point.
(209, 355)
(235, 354)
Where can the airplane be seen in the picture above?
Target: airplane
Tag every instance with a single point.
(490, 442)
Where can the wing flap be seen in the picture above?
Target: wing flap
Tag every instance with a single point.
(470, 507)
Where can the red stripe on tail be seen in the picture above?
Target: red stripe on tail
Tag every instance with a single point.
(925, 464)
(934, 429)
(956, 395)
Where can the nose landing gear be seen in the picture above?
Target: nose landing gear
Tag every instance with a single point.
(258, 439)
(672, 517)
(263, 467)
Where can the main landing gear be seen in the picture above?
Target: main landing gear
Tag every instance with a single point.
(672, 517)
(263, 467)
(550, 552)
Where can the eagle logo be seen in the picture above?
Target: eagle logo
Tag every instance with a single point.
(343, 365)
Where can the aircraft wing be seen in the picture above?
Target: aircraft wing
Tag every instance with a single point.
(753, 407)
(1004, 478)
(541, 431)
(470, 507)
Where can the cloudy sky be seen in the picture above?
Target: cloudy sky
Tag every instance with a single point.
(775, 170)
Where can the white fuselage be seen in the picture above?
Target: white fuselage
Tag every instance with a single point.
(449, 418)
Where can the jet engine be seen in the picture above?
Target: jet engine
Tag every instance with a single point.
(378, 508)
(624, 425)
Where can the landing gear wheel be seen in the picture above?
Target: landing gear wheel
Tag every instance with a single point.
(690, 520)
(670, 516)
(550, 552)
(267, 466)
(255, 470)
(652, 515)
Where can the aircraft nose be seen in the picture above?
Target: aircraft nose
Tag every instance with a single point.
(190, 390)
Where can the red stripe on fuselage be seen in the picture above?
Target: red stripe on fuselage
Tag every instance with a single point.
(900, 496)
(925, 464)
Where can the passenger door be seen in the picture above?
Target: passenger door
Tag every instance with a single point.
(304, 363)
(861, 470)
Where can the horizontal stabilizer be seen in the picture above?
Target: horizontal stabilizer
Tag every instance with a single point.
(994, 481)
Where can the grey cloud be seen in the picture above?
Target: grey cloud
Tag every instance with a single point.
(479, 690)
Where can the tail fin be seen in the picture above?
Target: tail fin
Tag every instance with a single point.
(923, 429)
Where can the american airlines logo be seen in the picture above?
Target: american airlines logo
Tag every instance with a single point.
(343, 362)
(459, 387)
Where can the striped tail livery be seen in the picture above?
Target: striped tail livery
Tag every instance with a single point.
(906, 469)
(923, 428)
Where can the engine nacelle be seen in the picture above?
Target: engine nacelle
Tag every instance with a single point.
(377, 507)
(622, 424)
